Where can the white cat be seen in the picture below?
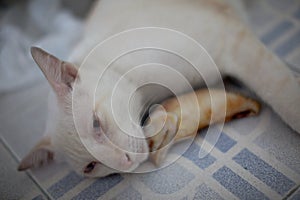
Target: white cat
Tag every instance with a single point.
(212, 23)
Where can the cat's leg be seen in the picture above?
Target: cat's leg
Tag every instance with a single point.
(265, 74)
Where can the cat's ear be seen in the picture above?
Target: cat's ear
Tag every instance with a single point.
(41, 154)
(60, 74)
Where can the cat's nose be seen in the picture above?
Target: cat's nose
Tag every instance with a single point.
(126, 161)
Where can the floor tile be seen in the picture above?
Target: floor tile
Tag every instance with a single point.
(13, 184)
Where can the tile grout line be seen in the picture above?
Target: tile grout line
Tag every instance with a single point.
(29, 174)
(292, 192)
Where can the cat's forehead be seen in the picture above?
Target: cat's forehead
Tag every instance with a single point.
(82, 95)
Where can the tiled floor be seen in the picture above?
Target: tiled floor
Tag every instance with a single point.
(19, 138)
(255, 158)
(13, 185)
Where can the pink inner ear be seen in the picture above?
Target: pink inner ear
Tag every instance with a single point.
(60, 74)
(40, 155)
(69, 74)
(60, 90)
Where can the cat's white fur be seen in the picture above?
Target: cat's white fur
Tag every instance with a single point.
(212, 23)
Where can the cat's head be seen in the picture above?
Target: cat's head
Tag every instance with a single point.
(110, 150)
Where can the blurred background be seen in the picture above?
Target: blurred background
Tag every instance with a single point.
(53, 25)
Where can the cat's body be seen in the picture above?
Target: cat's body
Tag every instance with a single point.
(215, 25)
(212, 23)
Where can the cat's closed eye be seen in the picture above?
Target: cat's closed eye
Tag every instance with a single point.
(90, 167)
(96, 122)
